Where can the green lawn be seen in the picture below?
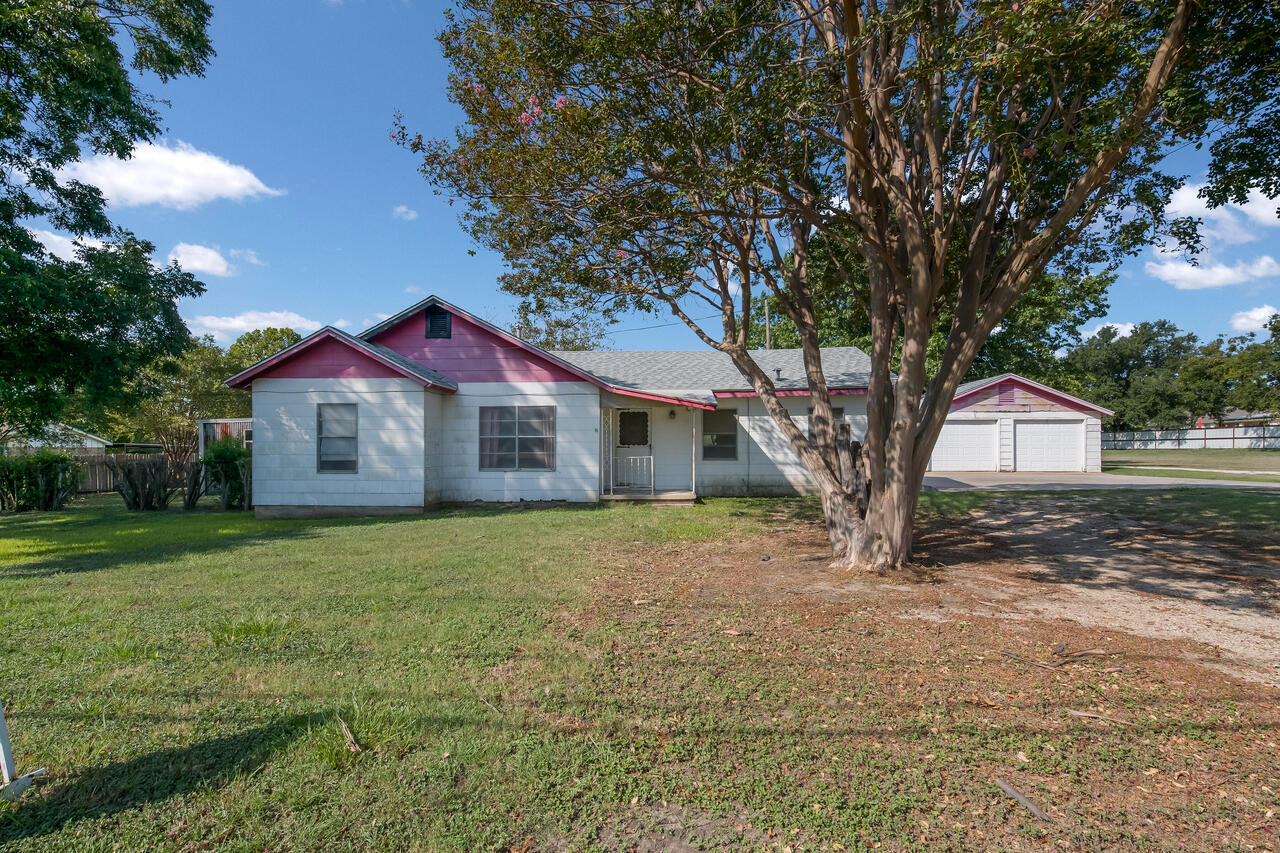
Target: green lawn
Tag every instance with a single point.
(540, 678)
(1225, 458)
(1107, 468)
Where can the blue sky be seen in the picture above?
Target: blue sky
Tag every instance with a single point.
(276, 182)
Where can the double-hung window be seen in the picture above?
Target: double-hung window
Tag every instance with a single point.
(837, 418)
(720, 434)
(337, 443)
(517, 438)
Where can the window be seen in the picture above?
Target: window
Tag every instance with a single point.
(720, 434)
(439, 322)
(336, 430)
(837, 415)
(633, 429)
(517, 438)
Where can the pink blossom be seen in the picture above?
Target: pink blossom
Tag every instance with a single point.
(477, 88)
(620, 254)
(533, 99)
(537, 111)
(562, 102)
(525, 118)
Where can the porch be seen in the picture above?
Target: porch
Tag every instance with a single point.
(648, 453)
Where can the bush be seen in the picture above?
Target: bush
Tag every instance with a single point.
(145, 484)
(227, 464)
(43, 480)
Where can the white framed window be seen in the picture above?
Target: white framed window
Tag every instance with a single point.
(517, 438)
(837, 418)
(720, 434)
(337, 438)
(633, 428)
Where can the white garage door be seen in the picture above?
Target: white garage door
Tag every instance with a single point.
(965, 446)
(1048, 445)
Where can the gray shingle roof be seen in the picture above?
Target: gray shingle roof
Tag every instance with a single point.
(978, 383)
(414, 367)
(694, 373)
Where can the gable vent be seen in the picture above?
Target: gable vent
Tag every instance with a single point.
(438, 322)
(1006, 393)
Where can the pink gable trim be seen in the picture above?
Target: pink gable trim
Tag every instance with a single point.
(1003, 390)
(478, 352)
(326, 355)
(834, 392)
(472, 354)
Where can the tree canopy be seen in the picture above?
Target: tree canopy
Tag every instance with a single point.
(689, 154)
(87, 323)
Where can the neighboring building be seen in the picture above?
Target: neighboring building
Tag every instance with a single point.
(59, 436)
(436, 404)
(216, 429)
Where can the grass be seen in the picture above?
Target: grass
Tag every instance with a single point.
(1237, 459)
(546, 677)
(1189, 474)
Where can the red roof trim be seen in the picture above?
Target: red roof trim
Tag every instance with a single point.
(1036, 388)
(244, 377)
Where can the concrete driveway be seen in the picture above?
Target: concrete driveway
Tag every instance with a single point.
(963, 481)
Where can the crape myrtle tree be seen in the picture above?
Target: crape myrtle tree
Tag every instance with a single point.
(686, 154)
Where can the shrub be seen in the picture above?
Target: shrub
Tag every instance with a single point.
(43, 480)
(227, 466)
(145, 484)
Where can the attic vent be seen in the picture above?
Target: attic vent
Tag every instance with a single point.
(438, 322)
(1006, 393)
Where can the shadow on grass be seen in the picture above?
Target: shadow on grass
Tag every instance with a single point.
(150, 778)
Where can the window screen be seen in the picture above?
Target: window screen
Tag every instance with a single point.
(837, 415)
(439, 322)
(720, 434)
(336, 428)
(517, 438)
(633, 429)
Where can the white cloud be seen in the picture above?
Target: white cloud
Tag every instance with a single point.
(178, 176)
(413, 288)
(229, 328)
(1184, 276)
(61, 246)
(1253, 320)
(249, 256)
(201, 259)
(1123, 330)
(1225, 223)
(403, 211)
(342, 324)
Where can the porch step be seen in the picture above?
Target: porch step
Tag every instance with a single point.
(668, 498)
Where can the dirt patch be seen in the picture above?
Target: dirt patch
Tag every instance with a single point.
(1117, 674)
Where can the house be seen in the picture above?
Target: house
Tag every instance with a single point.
(58, 436)
(436, 404)
(209, 430)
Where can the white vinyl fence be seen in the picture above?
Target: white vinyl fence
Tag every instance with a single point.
(1255, 438)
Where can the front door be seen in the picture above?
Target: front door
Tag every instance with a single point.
(633, 455)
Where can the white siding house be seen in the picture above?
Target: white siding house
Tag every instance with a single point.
(435, 404)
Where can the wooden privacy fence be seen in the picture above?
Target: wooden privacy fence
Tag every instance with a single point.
(97, 476)
(1251, 438)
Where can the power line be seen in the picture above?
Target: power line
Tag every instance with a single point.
(660, 325)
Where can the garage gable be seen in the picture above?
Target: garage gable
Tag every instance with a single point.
(1010, 393)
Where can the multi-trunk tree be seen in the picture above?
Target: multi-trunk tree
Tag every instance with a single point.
(687, 155)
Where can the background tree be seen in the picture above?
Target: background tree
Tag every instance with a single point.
(257, 344)
(170, 395)
(687, 154)
(552, 330)
(1135, 375)
(68, 90)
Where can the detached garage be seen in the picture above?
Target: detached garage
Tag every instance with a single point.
(1010, 423)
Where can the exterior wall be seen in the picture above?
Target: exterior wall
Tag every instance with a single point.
(1093, 445)
(391, 444)
(471, 354)
(1012, 396)
(332, 359)
(433, 446)
(577, 473)
(766, 463)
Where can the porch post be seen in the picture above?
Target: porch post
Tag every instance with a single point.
(693, 450)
